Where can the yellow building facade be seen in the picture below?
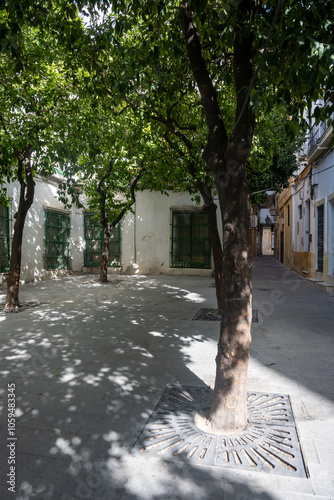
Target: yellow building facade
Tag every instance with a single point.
(304, 225)
(284, 226)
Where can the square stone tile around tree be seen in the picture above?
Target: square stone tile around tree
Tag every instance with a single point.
(295, 485)
(323, 488)
(309, 451)
(316, 429)
(325, 451)
(248, 486)
(318, 407)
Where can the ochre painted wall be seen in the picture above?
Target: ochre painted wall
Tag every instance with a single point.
(302, 262)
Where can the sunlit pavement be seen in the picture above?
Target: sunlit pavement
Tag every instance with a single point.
(90, 363)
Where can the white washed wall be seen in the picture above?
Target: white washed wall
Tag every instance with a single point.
(324, 193)
(33, 245)
(145, 235)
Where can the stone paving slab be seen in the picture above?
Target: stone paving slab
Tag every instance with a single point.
(91, 363)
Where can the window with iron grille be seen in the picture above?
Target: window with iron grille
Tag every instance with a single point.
(190, 242)
(94, 242)
(4, 238)
(57, 240)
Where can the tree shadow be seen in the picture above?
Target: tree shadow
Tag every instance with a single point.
(89, 366)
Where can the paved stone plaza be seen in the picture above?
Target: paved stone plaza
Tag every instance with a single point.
(90, 363)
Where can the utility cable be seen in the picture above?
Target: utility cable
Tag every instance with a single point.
(291, 182)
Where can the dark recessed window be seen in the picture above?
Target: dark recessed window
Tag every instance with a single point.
(4, 238)
(190, 242)
(57, 240)
(94, 242)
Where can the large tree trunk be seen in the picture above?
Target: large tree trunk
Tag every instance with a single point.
(226, 157)
(27, 189)
(228, 413)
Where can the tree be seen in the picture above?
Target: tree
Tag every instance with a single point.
(110, 160)
(111, 152)
(175, 108)
(119, 139)
(263, 53)
(34, 105)
(271, 162)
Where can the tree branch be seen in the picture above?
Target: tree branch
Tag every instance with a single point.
(133, 197)
(217, 130)
(105, 176)
(203, 188)
(103, 195)
(169, 126)
(252, 83)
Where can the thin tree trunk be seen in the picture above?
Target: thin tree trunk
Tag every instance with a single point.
(107, 226)
(105, 255)
(27, 189)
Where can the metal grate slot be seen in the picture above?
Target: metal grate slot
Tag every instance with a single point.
(262, 446)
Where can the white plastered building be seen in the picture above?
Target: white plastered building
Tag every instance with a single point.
(163, 235)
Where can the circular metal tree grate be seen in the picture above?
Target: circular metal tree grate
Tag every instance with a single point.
(268, 444)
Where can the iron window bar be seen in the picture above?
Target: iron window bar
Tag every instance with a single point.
(93, 232)
(57, 240)
(5, 238)
(190, 242)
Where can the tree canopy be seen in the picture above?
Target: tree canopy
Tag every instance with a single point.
(225, 84)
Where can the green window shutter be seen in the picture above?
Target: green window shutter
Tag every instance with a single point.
(4, 238)
(57, 240)
(190, 242)
(94, 240)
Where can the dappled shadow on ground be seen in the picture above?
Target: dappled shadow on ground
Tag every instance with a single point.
(91, 362)
(89, 365)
